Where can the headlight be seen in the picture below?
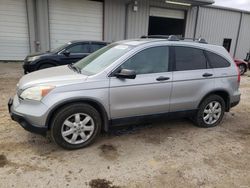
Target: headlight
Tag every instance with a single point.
(36, 93)
(33, 58)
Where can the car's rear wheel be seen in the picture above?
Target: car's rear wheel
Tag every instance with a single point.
(45, 66)
(76, 126)
(210, 112)
(242, 69)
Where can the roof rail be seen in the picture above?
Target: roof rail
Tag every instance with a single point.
(168, 37)
(174, 38)
(201, 40)
(155, 36)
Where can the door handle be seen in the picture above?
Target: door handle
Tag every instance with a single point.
(162, 78)
(207, 75)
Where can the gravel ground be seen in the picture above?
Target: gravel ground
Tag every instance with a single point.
(170, 154)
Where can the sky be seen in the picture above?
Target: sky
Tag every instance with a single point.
(239, 4)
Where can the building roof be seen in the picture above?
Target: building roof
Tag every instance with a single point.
(195, 2)
(228, 8)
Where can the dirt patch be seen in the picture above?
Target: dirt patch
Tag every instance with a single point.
(109, 152)
(3, 161)
(209, 162)
(101, 183)
(243, 132)
(14, 166)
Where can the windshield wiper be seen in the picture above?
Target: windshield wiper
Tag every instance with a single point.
(76, 69)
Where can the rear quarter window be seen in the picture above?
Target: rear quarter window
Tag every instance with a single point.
(216, 61)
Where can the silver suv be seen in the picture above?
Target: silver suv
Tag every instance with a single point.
(127, 82)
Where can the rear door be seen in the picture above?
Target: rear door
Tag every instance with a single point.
(76, 52)
(149, 93)
(192, 78)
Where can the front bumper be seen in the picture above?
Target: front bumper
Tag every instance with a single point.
(28, 67)
(24, 122)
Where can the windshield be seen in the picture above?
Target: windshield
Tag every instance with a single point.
(101, 59)
(60, 47)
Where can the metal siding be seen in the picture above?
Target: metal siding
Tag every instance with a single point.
(42, 31)
(214, 25)
(114, 20)
(75, 20)
(244, 38)
(190, 22)
(161, 3)
(167, 13)
(14, 38)
(137, 22)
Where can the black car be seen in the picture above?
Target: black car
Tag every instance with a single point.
(65, 54)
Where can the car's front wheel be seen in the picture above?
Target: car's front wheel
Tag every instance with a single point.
(76, 126)
(210, 112)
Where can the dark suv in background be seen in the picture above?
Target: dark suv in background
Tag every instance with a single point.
(68, 53)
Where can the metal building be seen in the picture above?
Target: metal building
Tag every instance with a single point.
(28, 26)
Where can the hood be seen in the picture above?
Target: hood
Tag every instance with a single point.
(39, 54)
(56, 76)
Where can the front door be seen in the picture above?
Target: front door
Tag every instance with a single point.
(147, 94)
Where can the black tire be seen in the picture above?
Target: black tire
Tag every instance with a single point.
(66, 112)
(242, 69)
(45, 66)
(198, 119)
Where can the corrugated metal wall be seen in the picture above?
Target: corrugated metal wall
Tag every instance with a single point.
(190, 22)
(122, 22)
(137, 22)
(244, 37)
(114, 20)
(216, 24)
(213, 24)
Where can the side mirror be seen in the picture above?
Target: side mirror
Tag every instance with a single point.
(66, 53)
(126, 73)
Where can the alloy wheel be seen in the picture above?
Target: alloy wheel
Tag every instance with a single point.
(78, 128)
(212, 112)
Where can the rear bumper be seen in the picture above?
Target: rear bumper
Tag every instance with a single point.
(233, 104)
(24, 122)
(235, 99)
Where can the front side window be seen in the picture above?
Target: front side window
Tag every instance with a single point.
(217, 61)
(151, 60)
(188, 58)
(79, 48)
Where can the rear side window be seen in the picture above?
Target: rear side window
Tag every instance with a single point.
(216, 61)
(95, 47)
(187, 58)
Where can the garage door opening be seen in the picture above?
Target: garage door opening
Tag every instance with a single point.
(166, 26)
(166, 22)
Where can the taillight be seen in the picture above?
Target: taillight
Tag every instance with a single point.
(237, 71)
